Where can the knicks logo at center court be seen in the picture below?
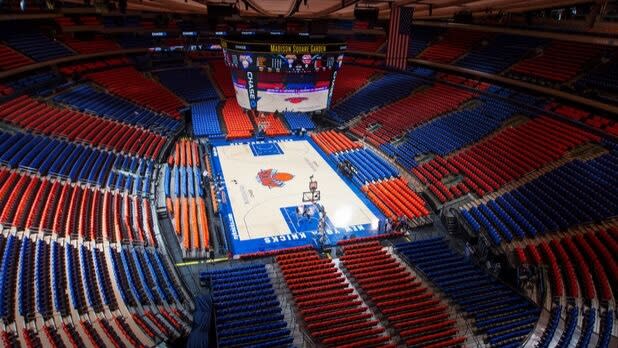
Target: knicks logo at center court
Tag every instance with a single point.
(271, 178)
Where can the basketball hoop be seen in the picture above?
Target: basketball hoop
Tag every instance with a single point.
(313, 195)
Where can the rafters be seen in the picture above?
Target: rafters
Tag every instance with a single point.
(345, 8)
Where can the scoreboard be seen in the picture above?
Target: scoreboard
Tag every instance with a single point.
(283, 74)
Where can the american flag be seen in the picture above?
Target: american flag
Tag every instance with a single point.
(398, 37)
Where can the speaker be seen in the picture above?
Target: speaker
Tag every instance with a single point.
(366, 14)
(221, 10)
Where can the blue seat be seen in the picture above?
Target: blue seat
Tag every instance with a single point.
(502, 314)
(188, 83)
(551, 327)
(298, 120)
(87, 99)
(380, 92)
(36, 45)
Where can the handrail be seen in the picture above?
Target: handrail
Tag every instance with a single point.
(570, 36)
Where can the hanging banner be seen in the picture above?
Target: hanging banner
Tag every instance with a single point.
(252, 89)
(331, 88)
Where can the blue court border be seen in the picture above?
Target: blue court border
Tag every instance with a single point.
(265, 149)
(238, 247)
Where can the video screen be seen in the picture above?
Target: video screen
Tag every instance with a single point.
(278, 92)
(283, 77)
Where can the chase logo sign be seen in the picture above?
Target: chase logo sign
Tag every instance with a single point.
(251, 83)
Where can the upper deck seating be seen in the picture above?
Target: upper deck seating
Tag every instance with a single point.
(88, 99)
(188, 83)
(499, 53)
(559, 62)
(453, 45)
(128, 83)
(223, 77)
(365, 43)
(380, 92)
(96, 44)
(11, 59)
(420, 38)
(35, 45)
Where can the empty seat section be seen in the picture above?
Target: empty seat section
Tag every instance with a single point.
(91, 45)
(499, 53)
(185, 195)
(559, 62)
(365, 43)
(570, 195)
(223, 77)
(398, 201)
(237, 123)
(191, 84)
(131, 84)
(490, 164)
(298, 120)
(411, 309)
(599, 83)
(333, 142)
(88, 99)
(453, 44)
(392, 120)
(350, 78)
(205, 119)
(322, 295)
(502, 315)
(70, 209)
(37, 116)
(35, 45)
(377, 93)
(452, 132)
(248, 312)
(421, 37)
(33, 82)
(368, 167)
(271, 124)
(11, 59)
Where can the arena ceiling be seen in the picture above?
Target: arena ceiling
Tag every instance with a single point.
(345, 8)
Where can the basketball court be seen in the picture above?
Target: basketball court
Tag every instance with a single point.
(263, 183)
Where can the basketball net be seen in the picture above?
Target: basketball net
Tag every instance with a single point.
(262, 122)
